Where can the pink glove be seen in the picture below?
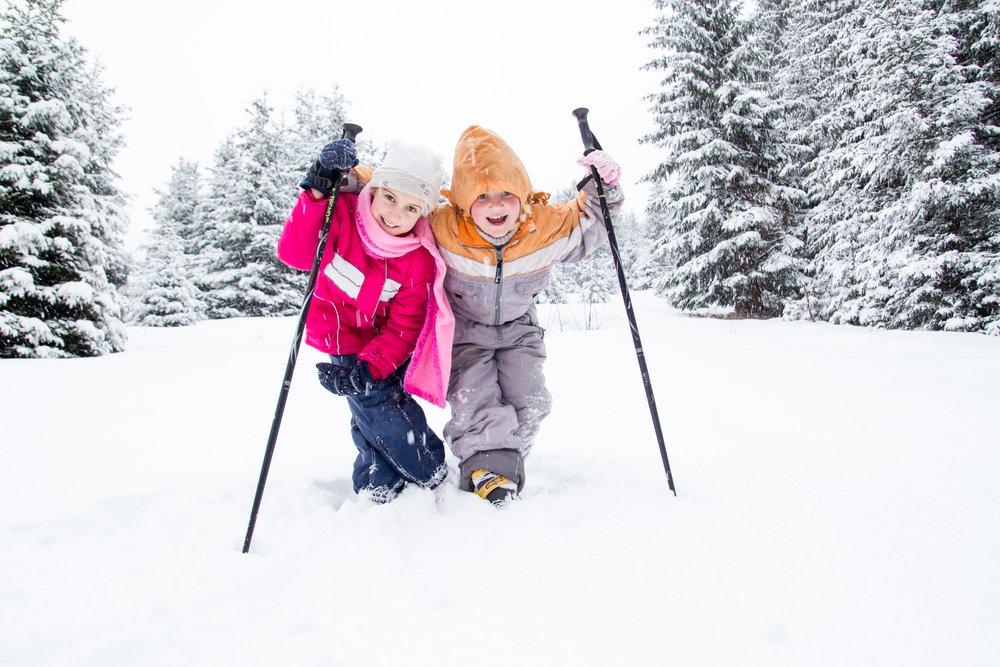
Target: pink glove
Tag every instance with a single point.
(608, 169)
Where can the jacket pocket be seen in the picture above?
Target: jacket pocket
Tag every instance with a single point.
(531, 286)
(467, 295)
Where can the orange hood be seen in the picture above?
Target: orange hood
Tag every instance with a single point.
(485, 163)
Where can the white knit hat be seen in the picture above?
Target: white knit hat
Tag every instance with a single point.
(413, 169)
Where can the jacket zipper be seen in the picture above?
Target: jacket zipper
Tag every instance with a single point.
(496, 281)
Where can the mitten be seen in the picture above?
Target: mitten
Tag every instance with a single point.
(345, 381)
(607, 168)
(335, 158)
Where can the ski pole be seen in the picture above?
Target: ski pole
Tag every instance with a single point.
(591, 144)
(351, 132)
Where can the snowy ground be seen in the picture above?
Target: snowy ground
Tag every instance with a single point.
(838, 505)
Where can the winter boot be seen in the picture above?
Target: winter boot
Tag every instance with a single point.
(380, 495)
(492, 487)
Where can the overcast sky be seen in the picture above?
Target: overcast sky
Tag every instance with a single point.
(423, 71)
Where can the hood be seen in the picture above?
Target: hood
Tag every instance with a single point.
(485, 163)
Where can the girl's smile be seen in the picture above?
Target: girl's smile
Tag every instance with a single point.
(396, 212)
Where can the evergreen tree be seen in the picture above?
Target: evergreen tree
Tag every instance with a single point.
(252, 191)
(163, 291)
(776, 33)
(952, 209)
(724, 213)
(596, 282)
(807, 40)
(633, 248)
(179, 207)
(220, 196)
(317, 121)
(904, 231)
(655, 264)
(62, 218)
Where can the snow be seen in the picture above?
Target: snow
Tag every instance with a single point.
(75, 293)
(837, 505)
(37, 114)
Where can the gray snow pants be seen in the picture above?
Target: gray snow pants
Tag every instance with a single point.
(497, 395)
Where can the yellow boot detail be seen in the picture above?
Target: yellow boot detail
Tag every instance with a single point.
(484, 482)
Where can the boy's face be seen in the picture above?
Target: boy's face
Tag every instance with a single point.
(396, 212)
(496, 213)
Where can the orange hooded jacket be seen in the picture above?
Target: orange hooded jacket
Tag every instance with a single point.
(498, 284)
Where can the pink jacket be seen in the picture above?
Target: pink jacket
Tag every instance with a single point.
(379, 309)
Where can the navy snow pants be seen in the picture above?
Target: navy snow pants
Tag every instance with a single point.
(395, 444)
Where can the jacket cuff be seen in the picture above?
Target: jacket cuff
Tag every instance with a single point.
(378, 373)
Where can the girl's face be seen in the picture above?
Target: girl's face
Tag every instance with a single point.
(496, 213)
(396, 212)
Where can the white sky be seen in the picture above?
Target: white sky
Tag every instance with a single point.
(188, 70)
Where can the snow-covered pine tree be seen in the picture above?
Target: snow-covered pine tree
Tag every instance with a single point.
(654, 264)
(163, 288)
(596, 282)
(219, 195)
(62, 217)
(163, 293)
(252, 190)
(179, 206)
(983, 45)
(633, 247)
(952, 208)
(904, 231)
(724, 219)
(807, 39)
(776, 30)
(317, 120)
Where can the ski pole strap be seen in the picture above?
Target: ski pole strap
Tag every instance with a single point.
(322, 183)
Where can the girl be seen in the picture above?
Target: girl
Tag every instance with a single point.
(379, 309)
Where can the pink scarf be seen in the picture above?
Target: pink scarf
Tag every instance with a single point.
(430, 367)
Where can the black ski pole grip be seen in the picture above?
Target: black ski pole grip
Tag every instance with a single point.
(589, 142)
(351, 131)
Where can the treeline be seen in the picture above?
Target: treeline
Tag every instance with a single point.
(67, 286)
(837, 160)
(211, 250)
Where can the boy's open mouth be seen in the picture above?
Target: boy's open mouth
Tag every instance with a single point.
(497, 220)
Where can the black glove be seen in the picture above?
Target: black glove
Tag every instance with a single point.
(344, 381)
(336, 157)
